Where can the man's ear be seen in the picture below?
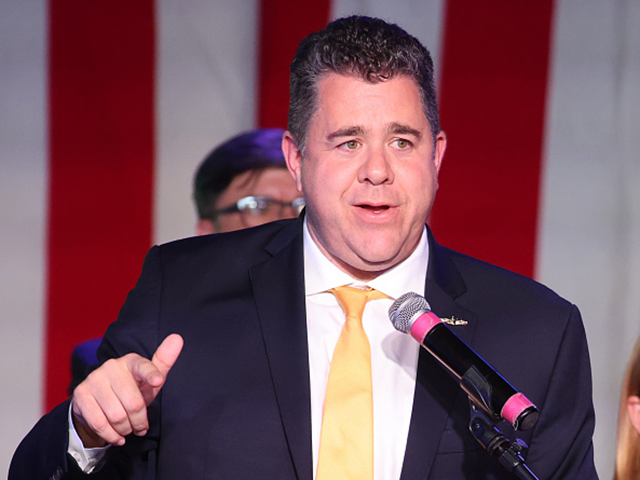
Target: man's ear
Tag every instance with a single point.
(205, 227)
(633, 407)
(293, 157)
(439, 148)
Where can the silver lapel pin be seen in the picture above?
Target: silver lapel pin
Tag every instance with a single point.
(454, 322)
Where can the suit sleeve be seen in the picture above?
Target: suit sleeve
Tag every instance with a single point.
(561, 448)
(42, 453)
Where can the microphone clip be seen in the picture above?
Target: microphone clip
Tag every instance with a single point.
(479, 391)
(510, 454)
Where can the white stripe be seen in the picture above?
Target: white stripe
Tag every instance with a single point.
(206, 84)
(23, 189)
(590, 226)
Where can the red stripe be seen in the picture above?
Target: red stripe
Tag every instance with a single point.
(283, 23)
(493, 91)
(101, 168)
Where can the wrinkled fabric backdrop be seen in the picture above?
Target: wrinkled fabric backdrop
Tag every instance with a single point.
(107, 107)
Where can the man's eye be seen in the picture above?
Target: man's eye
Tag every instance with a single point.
(402, 143)
(351, 144)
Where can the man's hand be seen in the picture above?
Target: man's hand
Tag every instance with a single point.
(112, 402)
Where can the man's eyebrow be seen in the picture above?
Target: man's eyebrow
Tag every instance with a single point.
(395, 128)
(346, 132)
(401, 129)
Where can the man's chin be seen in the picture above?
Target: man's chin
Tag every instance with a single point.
(371, 266)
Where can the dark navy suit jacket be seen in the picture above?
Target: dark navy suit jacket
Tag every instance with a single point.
(236, 404)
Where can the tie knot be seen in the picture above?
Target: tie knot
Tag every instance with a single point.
(352, 300)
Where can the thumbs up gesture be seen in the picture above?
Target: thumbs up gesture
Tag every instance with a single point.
(112, 402)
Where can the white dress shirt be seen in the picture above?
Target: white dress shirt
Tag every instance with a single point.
(394, 355)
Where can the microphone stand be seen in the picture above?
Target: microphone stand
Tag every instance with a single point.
(482, 426)
(494, 442)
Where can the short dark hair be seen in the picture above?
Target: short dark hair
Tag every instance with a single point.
(252, 150)
(363, 46)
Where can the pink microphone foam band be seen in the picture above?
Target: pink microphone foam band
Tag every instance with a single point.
(423, 325)
(513, 407)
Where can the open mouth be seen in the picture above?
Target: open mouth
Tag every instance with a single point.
(375, 208)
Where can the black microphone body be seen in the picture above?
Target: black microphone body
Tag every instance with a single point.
(485, 386)
(459, 358)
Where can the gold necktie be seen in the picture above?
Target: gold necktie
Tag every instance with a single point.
(346, 441)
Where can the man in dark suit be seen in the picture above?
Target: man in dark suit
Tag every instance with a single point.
(255, 312)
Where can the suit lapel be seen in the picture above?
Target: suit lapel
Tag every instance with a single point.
(436, 389)
(278, 286)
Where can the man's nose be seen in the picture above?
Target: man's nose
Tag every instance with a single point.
(376, 167)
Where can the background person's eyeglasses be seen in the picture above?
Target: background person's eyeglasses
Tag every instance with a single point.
(259, 209)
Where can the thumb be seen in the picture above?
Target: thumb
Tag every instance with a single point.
(154, 372)
(151, 375)
(167, 353)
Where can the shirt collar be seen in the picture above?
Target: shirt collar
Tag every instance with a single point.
(408, 276)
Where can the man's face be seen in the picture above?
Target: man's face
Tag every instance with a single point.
(369, 172)
(275, 183)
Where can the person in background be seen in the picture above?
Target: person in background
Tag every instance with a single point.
(628, 452)
(241, 183)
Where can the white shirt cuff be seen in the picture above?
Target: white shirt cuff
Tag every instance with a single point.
(86, 458)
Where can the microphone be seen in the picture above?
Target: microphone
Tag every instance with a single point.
(412, 314)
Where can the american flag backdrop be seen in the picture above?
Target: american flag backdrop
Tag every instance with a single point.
(108, 106)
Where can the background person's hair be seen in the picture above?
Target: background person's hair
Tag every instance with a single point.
(628, 452)
(361, 46)
(254, 150)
